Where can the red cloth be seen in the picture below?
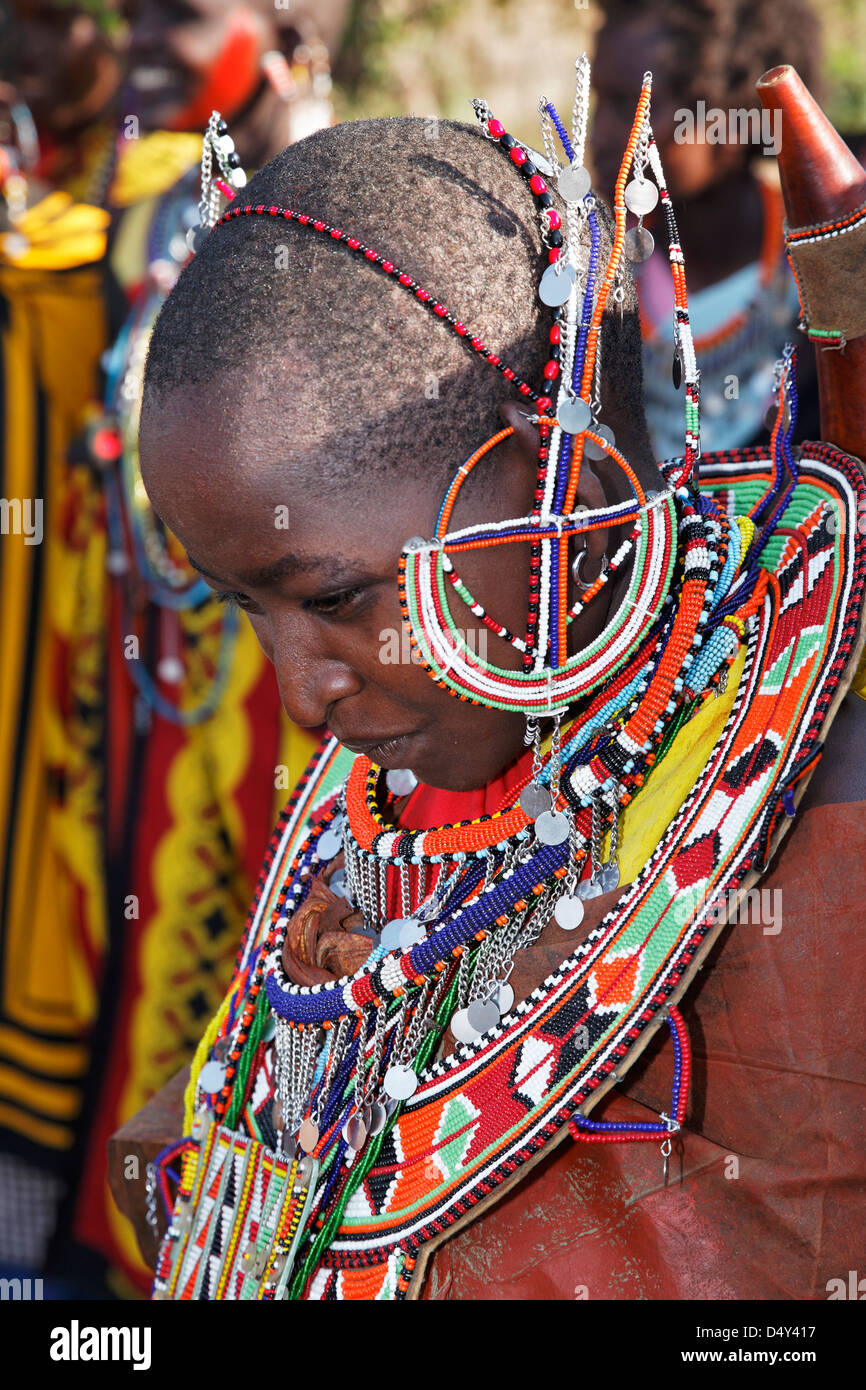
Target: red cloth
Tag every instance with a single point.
(765, 1191)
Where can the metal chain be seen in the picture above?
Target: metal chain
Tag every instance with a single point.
(580, 109)
(376, 1057)
(547, 137)
(150, 1196)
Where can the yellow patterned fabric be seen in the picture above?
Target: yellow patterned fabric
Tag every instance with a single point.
(52, 916)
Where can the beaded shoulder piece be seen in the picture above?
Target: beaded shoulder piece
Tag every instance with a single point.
(482, 1114)
(488, 1109)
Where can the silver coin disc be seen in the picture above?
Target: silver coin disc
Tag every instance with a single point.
(460, 1027)
(329, 843)
(568, 913)
(638, 244)
(535, 800)
(641, 196)
(355, 1132)
(411, 933)
(503, 997)
(551, 828)
(574, 183)
(482, 1015)
(401, 781)
(609, 878)
(378, 1118)
(195, 237)
(337, 883)
(555, 286)
(588, 888)
(390, 934)
(594, 451)
(400, 1082)
(212, 1076)
(574, 415)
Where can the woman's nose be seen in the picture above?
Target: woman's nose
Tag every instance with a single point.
(311, 676)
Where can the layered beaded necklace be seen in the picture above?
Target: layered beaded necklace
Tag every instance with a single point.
(447, 909)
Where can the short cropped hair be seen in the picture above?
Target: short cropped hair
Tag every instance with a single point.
(278, 308)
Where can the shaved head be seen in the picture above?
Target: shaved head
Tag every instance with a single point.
(270, 313)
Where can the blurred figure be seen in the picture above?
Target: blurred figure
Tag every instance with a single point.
(59, 73)
(706, 56)
(264, 66)
(194, 724)
(68, 67)
(139, 720)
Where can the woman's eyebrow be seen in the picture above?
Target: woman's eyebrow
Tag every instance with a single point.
(289, 565)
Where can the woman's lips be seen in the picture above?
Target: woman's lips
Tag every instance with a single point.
(390, 753)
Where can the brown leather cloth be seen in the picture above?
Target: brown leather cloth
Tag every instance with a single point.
(765, 1195)
(827, 272)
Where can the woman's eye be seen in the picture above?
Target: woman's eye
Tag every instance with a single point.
(233, 600)
(331, 605)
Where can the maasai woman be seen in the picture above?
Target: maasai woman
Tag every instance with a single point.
(477, 911)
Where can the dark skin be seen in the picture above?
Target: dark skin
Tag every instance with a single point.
(319, 615)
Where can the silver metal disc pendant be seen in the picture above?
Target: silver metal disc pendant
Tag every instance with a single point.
(482, 1015)
(555, 286)
(338, 883)
(411, 932)
(641, 196)
(503, 997)
(594, 451)
(308, 1135)
(195, 237)
(400, 1082)
(390, 935)
(329, 843)
(378, 1118)
(460, 1027)
(535, 800)
(574, 415)
(574, 183)
(355, 1132)
(609, 878)
(552, 828)
(568, 913)
(212, 1077)
(638, 244)
(401, 781)
(587, 889)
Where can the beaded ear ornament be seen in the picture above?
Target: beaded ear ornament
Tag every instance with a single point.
(218, 148)
(551, 679)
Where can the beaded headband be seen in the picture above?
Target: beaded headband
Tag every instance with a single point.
(550, 680)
